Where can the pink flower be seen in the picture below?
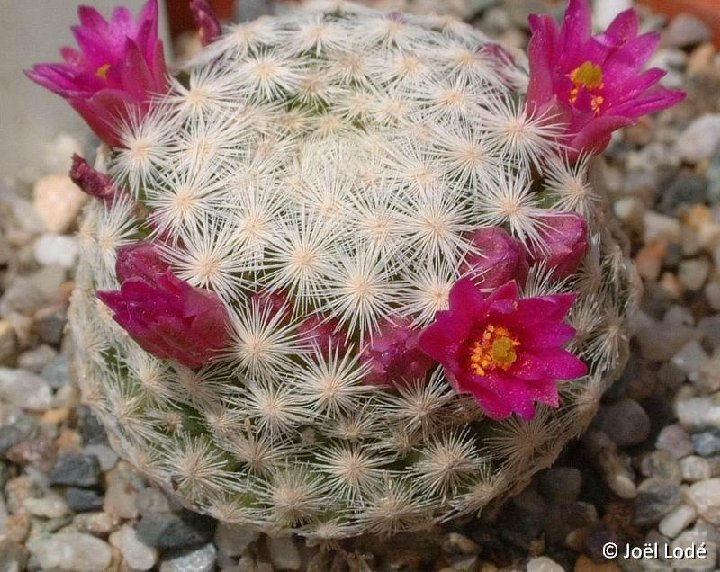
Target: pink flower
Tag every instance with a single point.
(497, 258)
(92, 182)
(165, 315)
(564, 243)
(206, 21)
(505, 351)
(393, 356)
(273, 303)
(119, 66)
(323, 333)
(593, 83)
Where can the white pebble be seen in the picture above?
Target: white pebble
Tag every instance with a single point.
(700, 140)
(24, 389)
(659, 226)
(677, 520)
(137, 555)
(692, 412)
(72, 551)
(693, 273)
(712, 293)
(690, 358)
(50, 506)
(705, 495)
(543, 564)
(57, 202)
(694, 468)
(56, 249)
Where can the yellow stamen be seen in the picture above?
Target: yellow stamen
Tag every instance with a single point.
(102, 71)
(494, 349)
(588, 76)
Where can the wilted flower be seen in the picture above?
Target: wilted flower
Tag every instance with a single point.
(496, 259)
(393, 355)
(563, 243)
(505, 351)
(119, 66)
(206, 21)
(91, 181)
(166, 316)
(323, 333)
(593, 83)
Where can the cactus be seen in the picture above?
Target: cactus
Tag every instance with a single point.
(335, 166)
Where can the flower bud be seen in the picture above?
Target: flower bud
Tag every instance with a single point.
(496, 259)
(563, 244)
(323, 333)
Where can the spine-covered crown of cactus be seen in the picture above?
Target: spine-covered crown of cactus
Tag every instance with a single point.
(347, 271)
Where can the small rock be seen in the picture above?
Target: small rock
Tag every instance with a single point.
(686, 30)
(74, 551)
(543, 564)
(654, 500)
(151, 500)
(649, 260)
(284, 554)
(707, 377)
(456, 543)
(706, 443)
(661, 466)
(51, 324)
(560, 484)
(24, 389)
(104, 454)
(661, 227)
(21, 429)
(700, 140)
(705, 495)
(50, 506)
(685, 189)
(675, 440)
(8, 342)
(584, 564)
(199, 560)
(695, 468)
(97, 523)
(677, 520)
(76, 471)
(137, 555)
(28, 292)
(691, 541)
(690, 358)
(233, 539)
(57, 372)
(57, 202)
(175, 530)
(692, 412)
(615, 467)
(658, 343)
(624, 421)
(712, 294)
(17, 527)
(83, 500)
(709, 326)
(56, 249)
(693, 273)
(36, 359)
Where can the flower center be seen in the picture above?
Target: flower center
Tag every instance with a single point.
(102, 71)
(588, 77)
(494, 349)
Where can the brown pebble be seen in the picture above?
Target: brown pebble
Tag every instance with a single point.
(55, 416)
(17, 527)
(585, 564)
(649, 259)
(701, 58)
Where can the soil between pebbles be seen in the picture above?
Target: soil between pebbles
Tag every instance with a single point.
(647, 470)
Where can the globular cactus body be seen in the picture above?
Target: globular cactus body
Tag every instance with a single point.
(340, 160)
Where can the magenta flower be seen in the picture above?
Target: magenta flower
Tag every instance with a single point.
(323, 333)
(393, 356)
(505, 351)
(165, 315)
(206, 21)
(496, 259)
(593, 83)
(119, 66)
(92, 182)
(564, 243)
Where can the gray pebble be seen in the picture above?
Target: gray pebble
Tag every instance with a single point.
(76, 470)
(661, 466)
(560, 484)
(175, 530)
(654, 500)
(83, 500)
(624, 421)
(22, 428)
(706, 443)
(199, 560)
(675, 440)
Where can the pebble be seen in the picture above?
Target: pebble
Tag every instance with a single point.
(83, 500)
(233, 539)
(175, 530)
(98, 523)
(707, 378)
(8, 342)
(13, 556)
(693, 273)
(615, 467)
(543, 564)
(661, 466)
(654, 500)
(24, 389)
(700, 140)
(284, 554)
(693, 411)
(56, 249)
(57, 372)
(75, 551)
(677, 520)
(690, 358)
(686, 30)
(692, 540)
(661, 227)
(104, 454)
(28, 292)
(36, 359)
(706, 443)
(20, 429)
(57, 202)
(49, 506)
(560, 484)
(624, 421)
(137, 555)
(685, 189)
(76, 470)
(712, 294)
(659, 343)
(675, 440)
(694, 468)
(199, 560)
(705, 495)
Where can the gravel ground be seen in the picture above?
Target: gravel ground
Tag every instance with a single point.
(647, 471)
